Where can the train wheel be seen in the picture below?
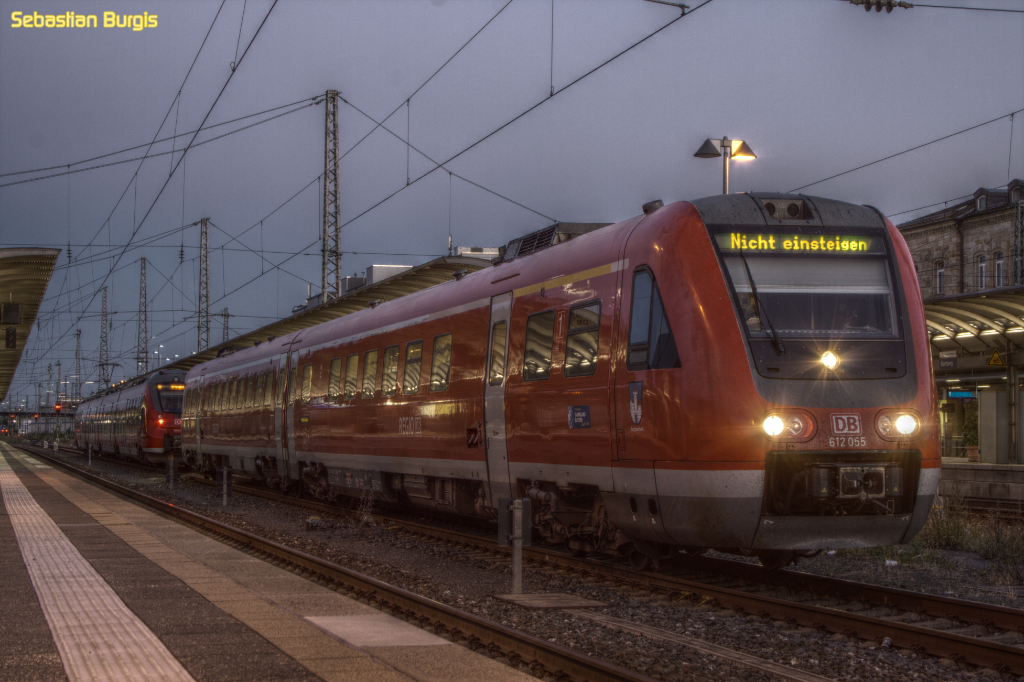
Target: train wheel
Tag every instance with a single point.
(639, 561)
(775, 559)
(576, 549)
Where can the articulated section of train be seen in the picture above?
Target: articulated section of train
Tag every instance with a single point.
(139, 419)
(745, 372)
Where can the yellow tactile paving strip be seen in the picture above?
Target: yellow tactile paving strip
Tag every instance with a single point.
(97, 636)
(275, 603)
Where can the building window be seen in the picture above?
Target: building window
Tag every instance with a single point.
(980, 203)
(982, 268)
(999, 269)
(940, 278)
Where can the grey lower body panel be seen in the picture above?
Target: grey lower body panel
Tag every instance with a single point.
(830, 532)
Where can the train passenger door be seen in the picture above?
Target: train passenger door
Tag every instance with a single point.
(198, 406)
(289, 397)
(279, 428)
(494, 399)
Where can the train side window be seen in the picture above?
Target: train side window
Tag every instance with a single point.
(651, 343)
(257, 396)
(268, 389)
(413, 363)
(369, 373)
(389, 374)
(232, 394)
(581, 341)
(293, 390)
(307, 383)
(334, 382)
(539, 337)
(496, 372)
(351, 376)
(222, 399)
(280, 387)
(250, 386)
(237, 394)
(441, 363)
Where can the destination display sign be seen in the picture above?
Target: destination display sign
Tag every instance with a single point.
(819, 244)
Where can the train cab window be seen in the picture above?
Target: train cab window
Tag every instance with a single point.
(334, 382)
(651, 344)
(539, 337)
(496, 371)
(369, 373)
(413, 362)
(351, 375)
(307, 383)
(389, 374)
(582, 338)
(441, 363)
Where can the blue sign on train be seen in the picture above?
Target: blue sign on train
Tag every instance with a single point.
(579, 416)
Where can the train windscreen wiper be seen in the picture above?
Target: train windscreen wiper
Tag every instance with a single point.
(762, 312)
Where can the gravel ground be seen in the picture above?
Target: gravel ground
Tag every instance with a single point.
(454, 577)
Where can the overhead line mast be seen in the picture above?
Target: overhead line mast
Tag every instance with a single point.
(104, 347)
(330, 280)
(204, 285)
(142, 351)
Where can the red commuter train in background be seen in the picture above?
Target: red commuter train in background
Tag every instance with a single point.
(138, 419)
(746, 372)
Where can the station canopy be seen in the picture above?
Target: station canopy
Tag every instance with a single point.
(415, 279)
(977, 324)
(24, 276)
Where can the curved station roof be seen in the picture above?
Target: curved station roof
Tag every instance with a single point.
(415, 279)
(24, 276)
(968, 328)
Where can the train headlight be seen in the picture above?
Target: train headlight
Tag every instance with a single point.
(788, 426)
(830, 359)
(898, 424)
(906, 424)
(774, 425)
(160, 419)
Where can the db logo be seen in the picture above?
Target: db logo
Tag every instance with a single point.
(845, 424)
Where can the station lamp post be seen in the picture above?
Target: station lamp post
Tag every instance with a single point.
(736, 149)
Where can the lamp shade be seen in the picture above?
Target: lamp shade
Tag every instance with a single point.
(743, 152)
(708, 150)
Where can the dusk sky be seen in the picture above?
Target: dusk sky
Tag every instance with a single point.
(815, 87)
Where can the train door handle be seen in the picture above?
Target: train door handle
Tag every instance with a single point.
(620, 437)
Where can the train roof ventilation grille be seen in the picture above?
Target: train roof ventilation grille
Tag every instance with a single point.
(549, 236)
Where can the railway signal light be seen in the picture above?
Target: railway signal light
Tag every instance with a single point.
(57, 407)
(12, 338)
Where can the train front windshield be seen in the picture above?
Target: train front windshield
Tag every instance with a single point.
(840, 288)
(171, 397)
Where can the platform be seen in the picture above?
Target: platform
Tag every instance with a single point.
(1001, 482)
(97, 588)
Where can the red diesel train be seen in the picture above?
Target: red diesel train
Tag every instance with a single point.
(138, 419)
(746, 372)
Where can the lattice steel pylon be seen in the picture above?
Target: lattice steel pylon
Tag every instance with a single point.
(142, 350)
(1018, 242)
(57, 392)
(78, 365)
(224, 316)
(49, 382)
(330, 280)
(39, 398)
(204, 285)
(104, 346)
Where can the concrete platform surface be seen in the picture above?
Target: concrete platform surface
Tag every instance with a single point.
(97, 588)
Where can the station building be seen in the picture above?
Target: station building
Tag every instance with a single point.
(970, 265)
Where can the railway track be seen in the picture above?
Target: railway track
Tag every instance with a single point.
(980, 634)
